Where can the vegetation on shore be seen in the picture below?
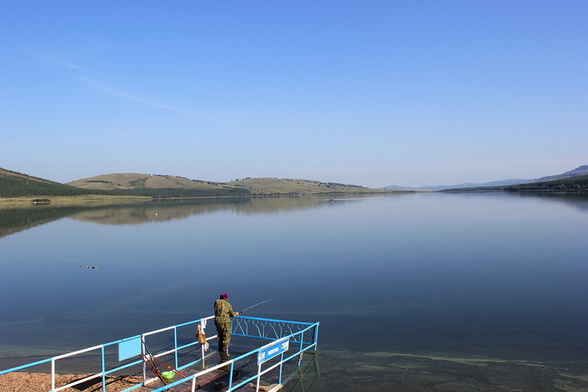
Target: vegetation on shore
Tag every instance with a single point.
(573, 181)
(13, 184)
(576, 184)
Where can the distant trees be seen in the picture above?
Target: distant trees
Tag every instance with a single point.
(578, 184)
(16, 186)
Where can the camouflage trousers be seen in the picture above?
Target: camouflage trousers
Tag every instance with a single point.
(224, 334)
(224, 338)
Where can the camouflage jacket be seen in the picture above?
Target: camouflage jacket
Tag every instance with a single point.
(223, 311)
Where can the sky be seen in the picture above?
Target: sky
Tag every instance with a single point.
(365, 92)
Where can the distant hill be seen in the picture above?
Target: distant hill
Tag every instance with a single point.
(292, 186)
(572, 181)
(579, 171)
(158, 184)
(576, 183)
(14, 184)
(463, 185)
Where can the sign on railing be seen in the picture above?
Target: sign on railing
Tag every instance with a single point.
(269, 351)
(129, 348)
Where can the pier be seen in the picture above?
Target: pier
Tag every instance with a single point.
(266, 354)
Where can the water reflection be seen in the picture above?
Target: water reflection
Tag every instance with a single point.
(15, 220)
(577, 200)
(129, 215)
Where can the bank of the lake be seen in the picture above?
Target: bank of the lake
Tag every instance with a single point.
(69, 201)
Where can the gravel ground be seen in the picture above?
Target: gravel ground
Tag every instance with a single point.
(41, 382)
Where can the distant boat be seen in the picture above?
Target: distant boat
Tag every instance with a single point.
(41, 201)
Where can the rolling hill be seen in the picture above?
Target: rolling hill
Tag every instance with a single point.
(165, 184)
(13, 184)
(156, 185)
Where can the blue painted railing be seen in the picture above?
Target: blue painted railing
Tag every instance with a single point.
(289, 340)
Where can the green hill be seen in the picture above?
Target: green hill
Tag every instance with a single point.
(134, 183)
(156, 186)
(287, 186)
(13, 184)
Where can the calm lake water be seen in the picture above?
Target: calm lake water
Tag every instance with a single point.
(414, 292)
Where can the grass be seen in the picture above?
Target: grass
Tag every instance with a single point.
(288, 186)
(80, 200)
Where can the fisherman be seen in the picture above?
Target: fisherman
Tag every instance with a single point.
(223, 311)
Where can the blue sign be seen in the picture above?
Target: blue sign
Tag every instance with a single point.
(269, 351)
(129, 348)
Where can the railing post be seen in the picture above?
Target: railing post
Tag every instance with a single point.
(102, 352)
(258, 377)
(281, 363)
(176, 362)
(300, 349)
(53, 374)
(231, 367)
(316, 328)
(143, 357)
(202, 346)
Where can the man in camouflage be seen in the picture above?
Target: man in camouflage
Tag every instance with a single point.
(223, 311)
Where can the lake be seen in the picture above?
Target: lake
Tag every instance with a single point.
(414, 292)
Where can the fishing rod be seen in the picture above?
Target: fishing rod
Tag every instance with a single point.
(253, 306)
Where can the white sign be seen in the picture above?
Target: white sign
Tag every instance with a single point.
(269, 351)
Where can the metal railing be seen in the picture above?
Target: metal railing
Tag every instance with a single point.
(289, 340)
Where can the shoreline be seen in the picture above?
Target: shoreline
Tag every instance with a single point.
(69, 201)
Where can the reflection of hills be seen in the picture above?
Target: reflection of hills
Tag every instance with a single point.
(13, 221)
(577, 200)
(154, 212)
(130, 215)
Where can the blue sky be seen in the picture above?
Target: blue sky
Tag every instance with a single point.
(364, 92)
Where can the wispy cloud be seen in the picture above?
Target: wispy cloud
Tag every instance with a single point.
(60, 62)
(99, 86)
